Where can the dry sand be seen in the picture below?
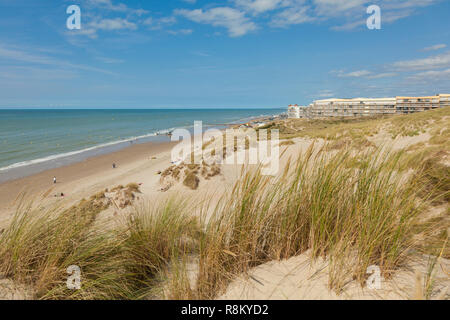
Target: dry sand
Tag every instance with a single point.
(83, 179)
(301, 278)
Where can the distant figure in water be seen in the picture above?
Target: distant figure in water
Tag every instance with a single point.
(54, 180)
(114, 165)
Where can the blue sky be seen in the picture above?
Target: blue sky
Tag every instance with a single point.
(232, 53)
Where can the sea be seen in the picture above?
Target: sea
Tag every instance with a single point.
(35, 140)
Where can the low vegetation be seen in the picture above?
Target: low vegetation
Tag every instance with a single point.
(191, 181)
(365, 215)
(39, 245)
(188, 174)
(354, 128)
(128, 263)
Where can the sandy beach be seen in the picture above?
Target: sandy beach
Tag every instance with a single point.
(82, 179)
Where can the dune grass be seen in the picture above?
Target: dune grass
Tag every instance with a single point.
(39, 245)
(157, 237)
(354, 216)
(364, 215)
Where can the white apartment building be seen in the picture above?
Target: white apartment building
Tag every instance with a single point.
(361, 107)
(296, 112)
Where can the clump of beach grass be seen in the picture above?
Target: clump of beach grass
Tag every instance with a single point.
(133, 261)
(156, 236)
(287, 143)
(129, 262)
(191, 181)
(38, 245)
(435, 179)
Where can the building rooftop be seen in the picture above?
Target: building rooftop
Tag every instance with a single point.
(355, 99)
(380, 99)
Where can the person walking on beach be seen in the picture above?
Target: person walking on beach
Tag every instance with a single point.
(54, 180)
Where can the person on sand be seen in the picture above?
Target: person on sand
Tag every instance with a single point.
(114, 165)
(54, 180)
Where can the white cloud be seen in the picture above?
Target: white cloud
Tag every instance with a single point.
(113, 24)
(244, 16)
(427, 65)
(435, 47)
(404, 4)
(347, 14)
(383, 75)
(349, 25)
(355, 74)
(120, 7)
(432, 75)
(15, 54)
(181, 31)
(386, 18)
(332, 8)
(363, 74)
(106, 15)
(232, 19)
(291, 16)
(107, 4)
(159, 23)
(353, 12)
(433, 62)
(91, 29)
(258, 6)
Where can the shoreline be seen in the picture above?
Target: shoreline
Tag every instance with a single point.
(28, 168)
(83, 177)
(25, 168)
(97, 169)
(32, 167)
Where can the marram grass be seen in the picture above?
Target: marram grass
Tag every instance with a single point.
(320, 203)
(354, 213)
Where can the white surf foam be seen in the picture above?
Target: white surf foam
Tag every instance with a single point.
(72, 153)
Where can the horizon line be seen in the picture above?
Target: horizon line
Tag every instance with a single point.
(138, 108)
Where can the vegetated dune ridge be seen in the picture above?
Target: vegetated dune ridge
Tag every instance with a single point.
(351, 194)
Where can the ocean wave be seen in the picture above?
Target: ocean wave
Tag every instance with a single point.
(72, 153)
